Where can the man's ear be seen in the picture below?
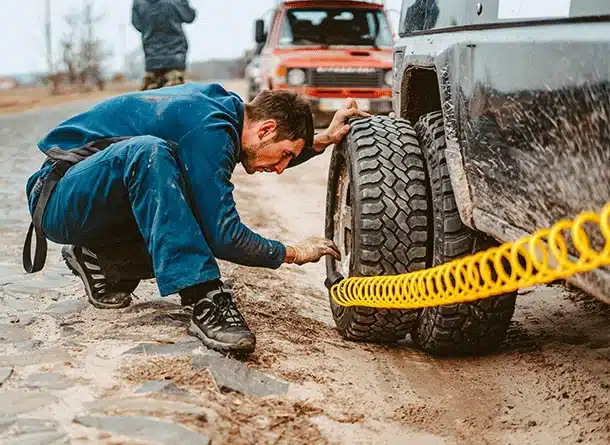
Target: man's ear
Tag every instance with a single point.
(266, 128)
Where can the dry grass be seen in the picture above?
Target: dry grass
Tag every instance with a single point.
(25, 98)
(176, 369)
(240, 419)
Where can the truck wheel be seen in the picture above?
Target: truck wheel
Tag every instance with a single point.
(377, 214)
(456, 329)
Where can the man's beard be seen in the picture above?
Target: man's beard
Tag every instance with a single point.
(249, 154)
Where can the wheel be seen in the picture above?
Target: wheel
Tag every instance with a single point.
(458, 329)
(377, 214)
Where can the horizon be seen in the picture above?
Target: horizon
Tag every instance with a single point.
(22, 42)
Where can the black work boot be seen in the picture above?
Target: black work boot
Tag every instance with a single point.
(217, 322)
(102, 293)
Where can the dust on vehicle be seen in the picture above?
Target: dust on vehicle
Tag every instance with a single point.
(501, 130)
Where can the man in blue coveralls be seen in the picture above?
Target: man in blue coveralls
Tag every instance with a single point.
(156, 195)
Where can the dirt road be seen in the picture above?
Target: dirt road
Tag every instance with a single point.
(76, 374)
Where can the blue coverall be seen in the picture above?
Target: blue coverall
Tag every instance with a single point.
(178, 200)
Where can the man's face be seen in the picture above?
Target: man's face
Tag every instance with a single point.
(261, 153)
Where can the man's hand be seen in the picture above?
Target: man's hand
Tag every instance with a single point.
(339, 127)
(311, 250)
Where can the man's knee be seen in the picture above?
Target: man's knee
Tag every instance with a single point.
(144, 155)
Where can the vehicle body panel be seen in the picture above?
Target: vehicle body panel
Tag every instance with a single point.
(526, 108)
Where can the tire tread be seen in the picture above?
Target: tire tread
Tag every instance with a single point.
(459, 329)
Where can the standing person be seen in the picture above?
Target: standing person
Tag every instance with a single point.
(163, 39)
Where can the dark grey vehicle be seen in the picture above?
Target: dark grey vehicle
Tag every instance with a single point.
(502, 127)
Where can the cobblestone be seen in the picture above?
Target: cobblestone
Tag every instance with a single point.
(186, 348)
(232, 375)
(17, 402)
(160, 387)
(5, 373)
(144, 405)
(49, 355)
(145, 429)
(50, 438)
(48, 380)
(13, 334)
(66, 308)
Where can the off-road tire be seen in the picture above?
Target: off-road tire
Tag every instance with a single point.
(457, 329)
(389, 218)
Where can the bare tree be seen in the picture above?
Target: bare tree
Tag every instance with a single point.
(134, 64)
(52, 77)
(83, 54)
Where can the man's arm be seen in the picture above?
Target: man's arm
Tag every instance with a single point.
(136, 19)
(207, 159)
(185, 11)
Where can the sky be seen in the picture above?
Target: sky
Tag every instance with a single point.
(222, 29)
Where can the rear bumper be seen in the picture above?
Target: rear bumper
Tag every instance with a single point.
(373, 106)
(323, 113)
(379, 100)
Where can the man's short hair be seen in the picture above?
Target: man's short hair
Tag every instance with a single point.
(290, 111)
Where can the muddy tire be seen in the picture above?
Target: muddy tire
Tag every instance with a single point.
(458, 329)
(376, 212)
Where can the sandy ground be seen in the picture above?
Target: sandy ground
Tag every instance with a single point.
(29, 98)
(548, 384)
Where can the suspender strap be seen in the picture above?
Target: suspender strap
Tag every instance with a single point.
(63, 160)
(40, 255)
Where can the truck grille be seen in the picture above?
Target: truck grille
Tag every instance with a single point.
(346, 77)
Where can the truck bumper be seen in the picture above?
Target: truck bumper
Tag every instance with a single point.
(326, 101)
(324, 108)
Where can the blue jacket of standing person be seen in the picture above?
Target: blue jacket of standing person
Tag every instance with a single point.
(163, 39)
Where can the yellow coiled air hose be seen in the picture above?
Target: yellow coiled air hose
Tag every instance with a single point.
(537, 259)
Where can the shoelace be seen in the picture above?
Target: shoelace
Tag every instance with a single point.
(229, 311)
(222, 308)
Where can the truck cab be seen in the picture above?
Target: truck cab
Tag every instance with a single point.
(327, 51)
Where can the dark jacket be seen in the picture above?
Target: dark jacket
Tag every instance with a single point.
(160, 23)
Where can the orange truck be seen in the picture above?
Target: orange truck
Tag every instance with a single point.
(327, 51)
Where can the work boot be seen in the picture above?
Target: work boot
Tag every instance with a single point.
(217, 322)
(101, 292)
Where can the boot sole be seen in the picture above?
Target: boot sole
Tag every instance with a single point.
(242, 346)
(77, 270)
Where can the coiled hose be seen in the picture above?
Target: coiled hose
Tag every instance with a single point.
(536, 259)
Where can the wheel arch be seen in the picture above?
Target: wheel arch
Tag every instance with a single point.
(419, 92)
(423, 91)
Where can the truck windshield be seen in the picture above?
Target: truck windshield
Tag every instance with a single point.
(335, 26)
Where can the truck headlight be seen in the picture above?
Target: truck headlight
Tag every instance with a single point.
(296, 76)
(388, 78)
